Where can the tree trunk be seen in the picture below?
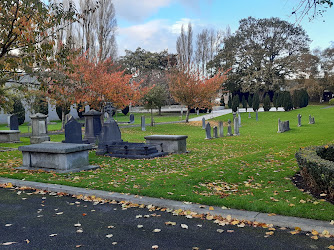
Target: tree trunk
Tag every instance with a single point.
(62, 119)
(187, 114)
(159, 111)
(152, 117)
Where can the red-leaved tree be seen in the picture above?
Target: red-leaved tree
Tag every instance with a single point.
(193, 90)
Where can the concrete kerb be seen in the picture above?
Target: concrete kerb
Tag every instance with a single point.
(276, 220)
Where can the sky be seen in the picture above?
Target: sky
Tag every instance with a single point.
(154, 25)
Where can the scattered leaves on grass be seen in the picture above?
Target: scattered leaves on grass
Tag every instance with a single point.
(170, 223)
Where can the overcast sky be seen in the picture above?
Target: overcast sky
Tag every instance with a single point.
(155, 24)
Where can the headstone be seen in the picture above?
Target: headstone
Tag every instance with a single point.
(208, 131)
(221, 129)
(132, 118)
(283, 126)
(257, 116)
(109, 135)
(299, 116)
(249, 115)
(73, 133)
(229, 128)
(239, 119)
(68, 117)
(93, 125)
(203, 123)
(215, 132)
(8, 121)
(236, 126)
(143, 128)
(311, 120)
(13, 122)
(197, 111)
(234, 115)
(39, 128)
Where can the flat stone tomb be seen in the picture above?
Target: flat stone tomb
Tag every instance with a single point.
(169, 143)
(9, 135)
(57, 157)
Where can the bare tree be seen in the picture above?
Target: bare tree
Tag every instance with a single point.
(311, 8)
(184, 47)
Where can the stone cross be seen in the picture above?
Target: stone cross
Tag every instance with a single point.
(203, 123)
(13, 122)
(215, 132)
(299, 116)
(236, 126)
(143, 128)
(208, 131)
(221, 129)
(229, 128)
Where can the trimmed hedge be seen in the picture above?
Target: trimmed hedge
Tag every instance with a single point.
(331, 101)
(317, 167)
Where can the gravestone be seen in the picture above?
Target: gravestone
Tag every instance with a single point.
(208, 131)
(311, 120)
(283, 126)
(109, 135)
(257, 116)
(143, 128)
(236, 126)
(73, 133)
(93, 125)
(203, 123)
(249, 115)
(221, 129)
(239, 120)
(229, 128)
(39, 128)
(215, 132)
(132, 118)
(234, 115)
(299, 116)
(13, 122)
(197, 111)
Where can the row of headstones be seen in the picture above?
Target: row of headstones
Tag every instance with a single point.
(219, 131)
(284, 126)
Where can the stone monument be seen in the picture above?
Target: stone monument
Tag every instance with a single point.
(39, 128)
(299, 116)
(143, 128)
(208, 131)
(13, 122)
(93, 125)
(203, 123)
(215, 132)
(311, 120)
(236, 126)
(73, 132)
(221, 129)
(229, 128)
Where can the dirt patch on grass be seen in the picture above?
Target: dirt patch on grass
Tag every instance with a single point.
(301, 184)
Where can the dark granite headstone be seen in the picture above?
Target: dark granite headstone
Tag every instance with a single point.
(229, 128)
(132, 118)
(73, 133)
(110, 134)
(143, 123)
(215, 132)
(208, 131)
(13, 122)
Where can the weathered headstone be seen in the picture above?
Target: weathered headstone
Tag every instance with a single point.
(236, 126)
(39, 128)
(311, 120)
(215, 132)
(143, 128)
(221, 129)
(13, 122)
(208, 131)
(132, 118)
(249, 115)
(93, 125)
(299, 116)
(203, 123)
(229, 128)
(234, 115)
(109, 135)
(257, 115)
(239, 119)
(283, 126)
(73, 133)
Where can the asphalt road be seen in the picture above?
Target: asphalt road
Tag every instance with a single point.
(44, 221)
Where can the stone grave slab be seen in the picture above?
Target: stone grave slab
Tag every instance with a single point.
(169, 143)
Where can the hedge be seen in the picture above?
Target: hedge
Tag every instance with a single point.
(317, 167)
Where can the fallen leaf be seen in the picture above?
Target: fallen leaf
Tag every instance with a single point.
(8, 243)
(28, 241)
(52, 235)
(220, 230)
(109, 235)
(211, 208)
(77, 246)
(157, 230)
(59, 213)
(314, 232)
(77, 225)
(314, 237)
(270, 233)
(209, 217)
(184, 226)
(8, 225)
(114, 243)
(84, 214)
(9, 185)
(331, 247)
(79, 230)
(298, 229)
(170, 223)
(272, 214)
(230, 231)
(325, 232)
(332, 222)
(155, 247)
(111, 227)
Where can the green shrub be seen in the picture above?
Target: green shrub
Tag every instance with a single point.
(266, 103)
(244, 102)
(256, 102)
(287, 101)
(19, 110)
(317, 167)
(250, 100)
(331, 101)
(235, 103)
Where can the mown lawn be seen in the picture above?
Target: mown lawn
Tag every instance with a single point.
(251, 171)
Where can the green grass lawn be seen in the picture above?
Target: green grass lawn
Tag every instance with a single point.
(251, 171)
(24, 128)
